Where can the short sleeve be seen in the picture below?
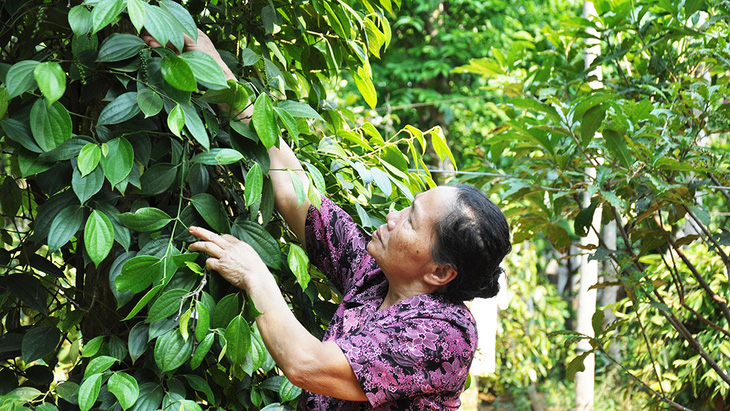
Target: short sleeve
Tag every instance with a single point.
(415, 357)
(336, 245)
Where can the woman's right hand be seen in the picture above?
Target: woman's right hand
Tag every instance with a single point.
(202, 44)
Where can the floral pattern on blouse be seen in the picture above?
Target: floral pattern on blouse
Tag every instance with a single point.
(414, 355)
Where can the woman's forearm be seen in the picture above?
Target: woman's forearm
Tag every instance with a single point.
(313, 365)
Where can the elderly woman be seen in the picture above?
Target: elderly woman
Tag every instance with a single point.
(402, 338)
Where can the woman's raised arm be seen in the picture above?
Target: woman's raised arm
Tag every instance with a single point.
(282, 158)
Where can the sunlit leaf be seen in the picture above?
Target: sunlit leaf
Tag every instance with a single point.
(120, 46)
(120, 109)
(264, 121)
(50, 124)
(177, 72)
(124, 387)
(98, 236)
(254, 185)
(51, 80)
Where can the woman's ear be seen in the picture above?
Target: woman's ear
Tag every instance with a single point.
(441, 275)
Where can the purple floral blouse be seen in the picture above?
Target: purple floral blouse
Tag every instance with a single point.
(414, 355)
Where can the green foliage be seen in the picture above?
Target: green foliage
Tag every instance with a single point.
(112, 149)
(653, 126)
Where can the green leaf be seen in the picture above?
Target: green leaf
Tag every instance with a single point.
(238, 339)
(50, 124)
(125, 388)
(79, 18)
(254, 185)
(616, 144)
(212, 212)
(298, 187)
(137, 14)
(288, 391)
(365, 84)
(51, 80)
(195, 125)
(592, 120)
(4, 100)
(382, 180)
(289, 122)
(166, 305)
(69, 391)
(145, 219)
(120, 46)
(118, 162)
(440, 147)
(176, 120)
(39, 342)
(30, 291)
(201, 351)
(576, 365)
(98, 236)
(148, 101)
(137, 340)
(21, 78)
(177, 72)
(218, 156)
(150, 397)
(147, 297)
(235, 96)
(597, 322)
(317, 177)
(92, 347)
(89, 158)
(98, 365)
(89, 392)
(121, 109)
(172, 350)
(203, 324)
(206, 71)
(85, 187)
(691, 6)
(158, 178)
(105, 12)
(260, 240)
(199, 384)
(264, 122)
(297, 109)
(299, 265)
(559, 237)
(163, 26)
(227, 308)
(64, 226)
(138, 273)
(181, 16)
(584, 219)
(23, 394)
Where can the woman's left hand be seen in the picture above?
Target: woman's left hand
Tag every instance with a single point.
(232, 258)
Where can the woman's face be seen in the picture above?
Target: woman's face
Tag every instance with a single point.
(402, 247)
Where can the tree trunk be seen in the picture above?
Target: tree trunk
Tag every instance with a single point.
(609, 295)
(585, 380)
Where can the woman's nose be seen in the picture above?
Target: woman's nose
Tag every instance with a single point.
(392, 219)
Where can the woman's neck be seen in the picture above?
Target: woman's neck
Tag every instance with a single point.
(398, 294)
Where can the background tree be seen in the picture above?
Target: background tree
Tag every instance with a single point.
(110, 150)
(663, 145)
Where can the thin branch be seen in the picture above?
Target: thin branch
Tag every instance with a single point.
(709, 236)
(645, 385)
(720, 187)
(720, 302)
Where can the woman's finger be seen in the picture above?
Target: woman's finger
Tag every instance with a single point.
(207, 247)
(207, 235)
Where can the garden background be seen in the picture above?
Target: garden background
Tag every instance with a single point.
(600, 128)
